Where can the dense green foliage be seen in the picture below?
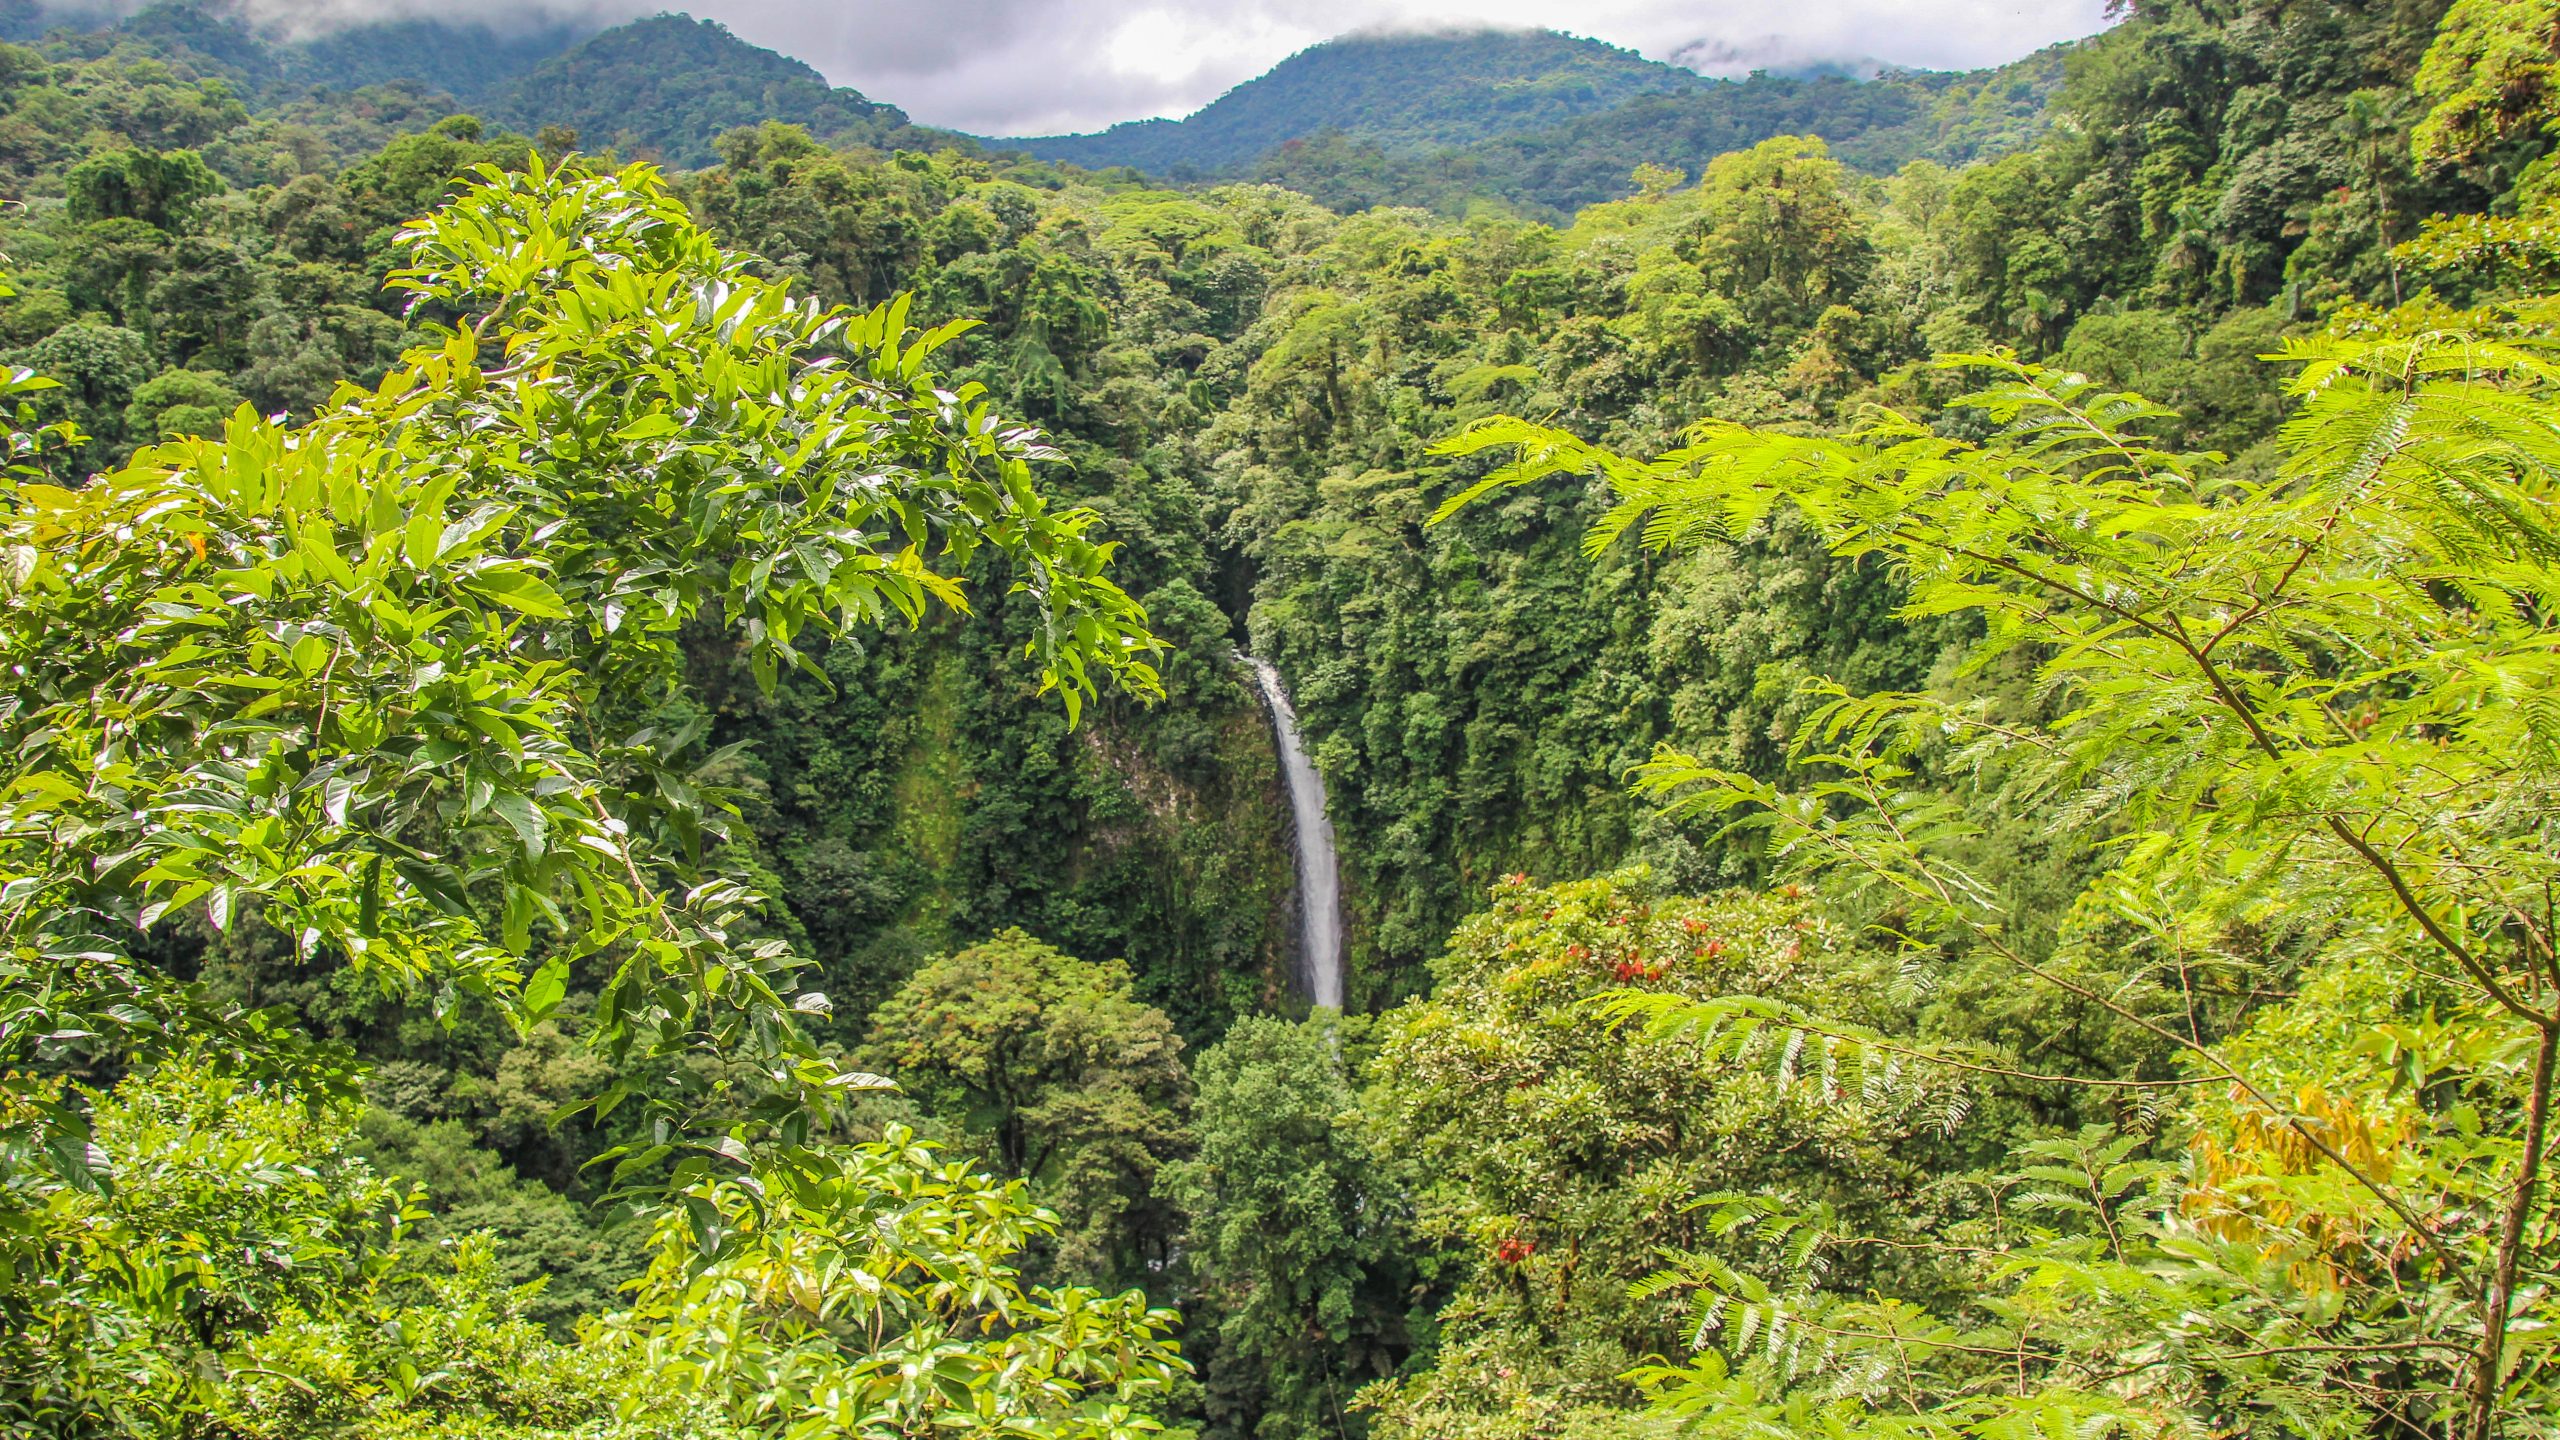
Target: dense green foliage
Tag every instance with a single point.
(1589, 1152)
(1306, 1291)
(247, 1276)
(2306, 721)
(2079, 963)
(1058, 1075)
(382, 686)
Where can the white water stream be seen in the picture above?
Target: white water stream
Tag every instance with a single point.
(1319, 884)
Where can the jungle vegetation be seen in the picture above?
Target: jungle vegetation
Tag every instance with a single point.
(630, 811)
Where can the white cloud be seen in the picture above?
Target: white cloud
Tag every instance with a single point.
(1020, 67)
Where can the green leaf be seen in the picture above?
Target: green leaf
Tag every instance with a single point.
(524, 817)
(543, 992)
(517, 589)
(649, 427)
(78, 1163)
(709, 1232)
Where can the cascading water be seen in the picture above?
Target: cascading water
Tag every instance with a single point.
(1319, 885)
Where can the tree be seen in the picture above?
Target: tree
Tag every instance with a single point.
(241, 1245)
(2489, 78)
(873, 1295)
(179, 402)
(2313, 707)
(97, 371)
(1294, 1233)
(158, 189)
(383, 682)
(1555, 1163)
(1776, 233)
(1071, 1082)
(246, 1273)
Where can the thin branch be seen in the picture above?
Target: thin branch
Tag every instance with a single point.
(2417, 1226)
(1931, 1057)
(2489, 1366)
(2264, 603)
(2389, 1347)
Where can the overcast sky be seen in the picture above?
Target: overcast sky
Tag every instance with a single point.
(1029, 67)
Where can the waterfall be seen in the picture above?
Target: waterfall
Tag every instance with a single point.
(1319, 885)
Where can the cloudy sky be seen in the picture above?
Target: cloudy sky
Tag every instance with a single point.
(1027, 67)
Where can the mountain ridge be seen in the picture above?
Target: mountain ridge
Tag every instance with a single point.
(464, 59)
(1476, 83)
(671, 85)
(1541, 121)
(663, 87)
(1442, 145)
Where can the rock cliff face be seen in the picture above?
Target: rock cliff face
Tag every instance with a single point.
(893, 832)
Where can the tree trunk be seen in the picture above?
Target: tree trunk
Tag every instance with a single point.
(2491, 1360)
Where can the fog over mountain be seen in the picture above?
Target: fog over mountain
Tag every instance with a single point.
(1017, 67)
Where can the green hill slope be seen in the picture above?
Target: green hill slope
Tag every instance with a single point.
(670, 85)
(662, 88)
(1547, 123)
(1543, 122)
(1875, 125)
(1402, 91)
(465, 61)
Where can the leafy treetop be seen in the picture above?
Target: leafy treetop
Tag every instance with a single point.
(386, 677)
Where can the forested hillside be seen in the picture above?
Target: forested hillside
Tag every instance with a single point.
(1426, 90)
(664, 88)
(1537, 122)
(633, 807)
(667, 86)
(1876, 126)
(461, 59)
(1545, 123)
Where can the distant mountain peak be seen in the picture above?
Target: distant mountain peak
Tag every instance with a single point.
(250, 46)
(1391, 32)
(664, 87)
(288, 22)
(1401, 87)
(668, 85)
(1728, 58)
